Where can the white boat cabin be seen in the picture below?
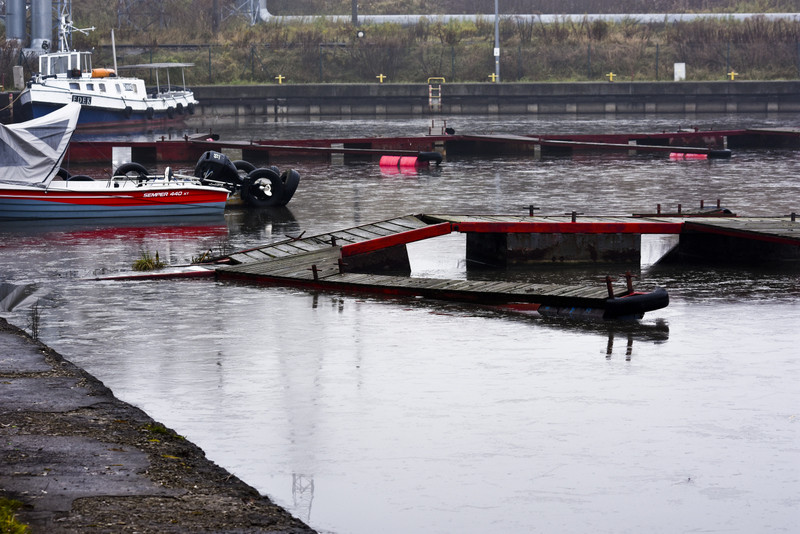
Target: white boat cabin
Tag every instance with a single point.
(76, 68)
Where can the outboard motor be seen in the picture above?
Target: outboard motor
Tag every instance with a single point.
(216, 167)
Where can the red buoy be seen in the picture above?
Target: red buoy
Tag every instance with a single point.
(408, 161)
(687, 155)
(390, 161)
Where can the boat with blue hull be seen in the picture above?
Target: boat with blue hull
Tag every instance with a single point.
(107, 99)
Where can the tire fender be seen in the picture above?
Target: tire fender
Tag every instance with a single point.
(290, 179)
(127, 168)
(263, 188)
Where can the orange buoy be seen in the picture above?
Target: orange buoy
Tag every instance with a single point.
(102, 73)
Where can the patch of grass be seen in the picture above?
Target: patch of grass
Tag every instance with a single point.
(8, 521)
(148, 263)
(202, 258)
(159, 429)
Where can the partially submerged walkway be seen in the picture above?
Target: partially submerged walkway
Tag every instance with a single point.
(81, 460)
(355, 259)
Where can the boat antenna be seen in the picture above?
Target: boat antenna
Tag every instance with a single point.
(65, 29)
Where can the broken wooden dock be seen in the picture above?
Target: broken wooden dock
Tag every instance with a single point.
(373, 258)
(350, 260)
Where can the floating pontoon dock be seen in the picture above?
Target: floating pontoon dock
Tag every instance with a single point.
(373, 258)
(712, 144)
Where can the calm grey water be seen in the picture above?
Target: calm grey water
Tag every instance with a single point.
(364, 415)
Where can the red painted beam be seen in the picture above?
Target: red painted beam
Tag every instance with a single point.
(548, 227)
(400, 238)
(741, 234)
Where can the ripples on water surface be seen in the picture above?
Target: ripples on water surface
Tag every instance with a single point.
(366, 415)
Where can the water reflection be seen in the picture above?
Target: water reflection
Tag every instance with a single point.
(14, 296)
(302, 495)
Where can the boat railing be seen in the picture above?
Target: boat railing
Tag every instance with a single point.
(168, 178)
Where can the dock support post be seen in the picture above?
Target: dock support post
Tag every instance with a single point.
(609, 287)
(392, 259)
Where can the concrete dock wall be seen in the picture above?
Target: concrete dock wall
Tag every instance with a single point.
(607, 98)
(502, 99)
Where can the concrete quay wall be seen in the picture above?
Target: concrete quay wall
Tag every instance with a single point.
(502, 99)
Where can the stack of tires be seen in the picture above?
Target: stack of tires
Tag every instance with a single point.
(259, 187)
(266, 187)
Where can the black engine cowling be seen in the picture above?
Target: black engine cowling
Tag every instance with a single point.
(216, 167)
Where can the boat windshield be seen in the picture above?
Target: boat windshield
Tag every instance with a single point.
(64, 63)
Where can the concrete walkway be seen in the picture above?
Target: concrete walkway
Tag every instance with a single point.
(80, 459)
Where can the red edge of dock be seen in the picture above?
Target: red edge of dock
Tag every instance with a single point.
(544, 227)
(732, 232)
(400, 238)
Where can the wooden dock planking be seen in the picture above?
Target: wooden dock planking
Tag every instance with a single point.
(558, 224)
(362, 233)
(298, 269)
(314, 263)
(349, 236)
(403, 230)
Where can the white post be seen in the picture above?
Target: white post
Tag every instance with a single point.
(496, 42)
(680, 72)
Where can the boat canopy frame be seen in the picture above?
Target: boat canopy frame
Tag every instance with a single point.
(160, 66)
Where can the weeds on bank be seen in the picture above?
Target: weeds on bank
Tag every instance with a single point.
(203, 257)
(161, 430)
(8, 522)
(148, 263)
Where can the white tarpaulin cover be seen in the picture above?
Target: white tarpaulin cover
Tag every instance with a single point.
(31, 152)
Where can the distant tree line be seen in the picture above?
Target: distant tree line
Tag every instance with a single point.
(389, 7)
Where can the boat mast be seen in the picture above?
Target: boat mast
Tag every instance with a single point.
(114, 50)
(65, 26)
